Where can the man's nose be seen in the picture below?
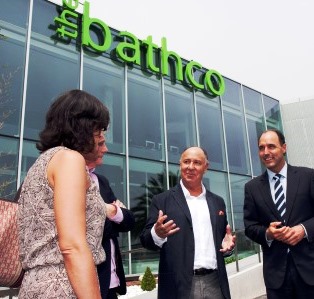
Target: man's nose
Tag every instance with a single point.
(266, 151)
(191, 165)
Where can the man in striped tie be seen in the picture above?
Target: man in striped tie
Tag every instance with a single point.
(279, 215)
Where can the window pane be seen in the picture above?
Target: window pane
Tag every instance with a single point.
(180, 119)
(255, 129)
(53, 69)
(104, 79)
(8, 167)
(12, 49)
(252, 101)
(236, 143)
(245, 246)
(145, 116)
(272, 112)
(238, 156)
(14, 12)
(232, 94)
(113, 169)
(146, 179)
(210, 130)
(217, 182)
(29, 156)
(255, 125)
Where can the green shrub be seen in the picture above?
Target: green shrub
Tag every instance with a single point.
(148, 282)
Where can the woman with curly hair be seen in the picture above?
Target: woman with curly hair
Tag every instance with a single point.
(61, 213)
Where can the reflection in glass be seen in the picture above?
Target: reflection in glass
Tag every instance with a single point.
(236, 143)
(29, 156)
(113, 169)
(8, 167)
(146, 179)
(232, 95)
(104, 79)
(245, 246)
(252, 101)
(14, 12)
(255, 129)
(145, 116)
(217, 183)
(238, 155)
(272, 112)
(255, 125)
(180, 118)
(210, 130)
(44, 86)
(12, 53)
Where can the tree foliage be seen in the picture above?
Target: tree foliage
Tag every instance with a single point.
(148, 282)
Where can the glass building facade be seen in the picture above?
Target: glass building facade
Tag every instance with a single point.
(153, 118)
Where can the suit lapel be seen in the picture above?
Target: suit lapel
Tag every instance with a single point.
(292, 187)
(181, 201)
(266, 195)
(212, 206)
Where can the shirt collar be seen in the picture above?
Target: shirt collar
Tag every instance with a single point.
(283, 172)
(91, 170)
(187, 193)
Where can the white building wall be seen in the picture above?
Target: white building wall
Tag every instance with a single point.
(298, 122)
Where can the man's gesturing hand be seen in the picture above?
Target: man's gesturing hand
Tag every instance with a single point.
(163, 230)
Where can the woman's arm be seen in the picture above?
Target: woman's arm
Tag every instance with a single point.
(67, 175)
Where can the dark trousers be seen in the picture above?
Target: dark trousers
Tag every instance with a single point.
(293, 286)
(112, 294)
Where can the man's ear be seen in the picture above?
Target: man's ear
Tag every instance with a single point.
(284, 146)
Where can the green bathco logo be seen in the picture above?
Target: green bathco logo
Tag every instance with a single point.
(129, 50)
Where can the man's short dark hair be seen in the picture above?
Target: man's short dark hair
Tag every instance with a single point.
(281, 137)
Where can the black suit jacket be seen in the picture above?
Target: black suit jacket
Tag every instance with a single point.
(260, 210)
(111, 231)
(177, 254)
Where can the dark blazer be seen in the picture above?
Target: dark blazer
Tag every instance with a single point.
(260, 210)
(177, 254)
(111, 231)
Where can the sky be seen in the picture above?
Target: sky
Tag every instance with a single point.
(267, 45)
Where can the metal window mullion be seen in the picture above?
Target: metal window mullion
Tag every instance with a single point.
(22, 125)
(264, 113)
(247, 132)
(127, 162)
(198, 141)
(162, 81)
(81, 76)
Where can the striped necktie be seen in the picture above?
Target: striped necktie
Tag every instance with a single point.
(280, 200)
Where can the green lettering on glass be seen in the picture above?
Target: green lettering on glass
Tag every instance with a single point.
(189, 73)
(130, 49)
(151, 48)
(165, 54)
(86, 38)
(71, 4)
(125, 48)
(63, 23)
(218, 79)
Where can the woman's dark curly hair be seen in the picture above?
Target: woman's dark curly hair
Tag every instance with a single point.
(72, 120)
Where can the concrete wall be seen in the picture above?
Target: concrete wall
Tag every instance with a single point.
(248, 283)
(298, 122)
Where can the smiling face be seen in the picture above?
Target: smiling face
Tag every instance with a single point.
(271, 152)
(94, 158)
(193, 165)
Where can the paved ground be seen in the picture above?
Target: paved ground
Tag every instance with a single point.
(149, 295)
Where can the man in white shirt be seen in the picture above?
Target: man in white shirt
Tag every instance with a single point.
(194, 241)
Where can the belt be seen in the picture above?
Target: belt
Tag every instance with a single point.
(202, 271)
